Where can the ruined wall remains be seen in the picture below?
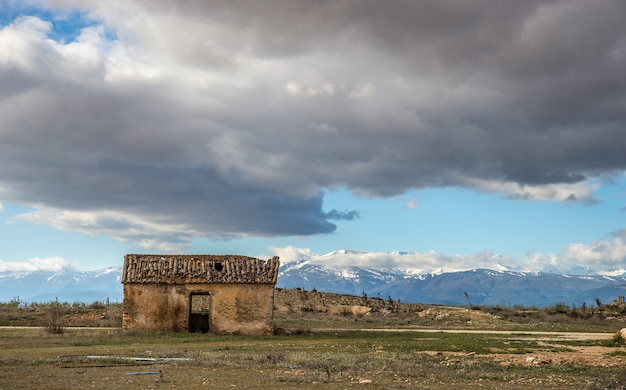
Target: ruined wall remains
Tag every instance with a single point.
(182, 269)
(237, 293)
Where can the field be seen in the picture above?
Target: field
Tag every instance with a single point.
(341, 345)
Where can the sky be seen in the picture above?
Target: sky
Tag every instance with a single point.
(466, 133)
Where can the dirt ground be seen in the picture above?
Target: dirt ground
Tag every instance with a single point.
(584, 356)
(578, 355)
(581, 355)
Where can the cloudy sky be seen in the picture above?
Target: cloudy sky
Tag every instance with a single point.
(467, 132)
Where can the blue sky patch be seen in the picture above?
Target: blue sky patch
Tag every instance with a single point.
(66, 25)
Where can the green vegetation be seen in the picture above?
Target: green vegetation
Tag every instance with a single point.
(616, 341)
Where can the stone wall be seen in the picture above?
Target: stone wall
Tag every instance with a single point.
(234, 308)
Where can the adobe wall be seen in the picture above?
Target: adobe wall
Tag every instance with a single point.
(235, 308)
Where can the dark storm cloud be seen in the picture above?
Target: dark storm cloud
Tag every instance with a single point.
(342, 215)
(231, 117)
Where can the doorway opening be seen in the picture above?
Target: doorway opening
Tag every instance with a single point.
(199, 311)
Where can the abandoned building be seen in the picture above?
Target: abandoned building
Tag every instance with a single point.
(199, 293)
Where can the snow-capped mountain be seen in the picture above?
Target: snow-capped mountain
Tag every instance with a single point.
(337, 272)
(64, 286)
(357, 272)
(483, 287)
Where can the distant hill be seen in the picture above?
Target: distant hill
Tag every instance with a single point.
(332, 272)
(64, 286)
(483, 286)
(478, 286)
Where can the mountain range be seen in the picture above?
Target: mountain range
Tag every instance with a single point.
(333, 273)
(64, 286)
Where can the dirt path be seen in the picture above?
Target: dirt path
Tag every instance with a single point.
(543, 335)
(582, 356)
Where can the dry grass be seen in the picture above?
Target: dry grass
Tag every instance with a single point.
(32, 358)
(308, 358)
(60, 314)
(297, 309)
(315, 310)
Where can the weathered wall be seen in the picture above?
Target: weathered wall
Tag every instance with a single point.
(185, 269)
(234, 308)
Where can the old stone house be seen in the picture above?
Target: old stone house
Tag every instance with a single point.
(199, 293)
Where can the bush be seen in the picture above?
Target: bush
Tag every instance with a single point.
(561, 308)
(15, 302)
(617, 339)
(97, 305)
(54, 322)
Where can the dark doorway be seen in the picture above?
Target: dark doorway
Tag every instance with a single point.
(199, 310)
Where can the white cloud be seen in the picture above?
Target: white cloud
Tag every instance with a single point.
(362, 91)
(544, 262)
(291, 253)
(560, 192)
(417, 262)
(159, 245)
(604, 255)
(20, 39)
(125, 227)
(1, 207)
(601, 257)
(54, 264)
(298, 89)
(413, 203)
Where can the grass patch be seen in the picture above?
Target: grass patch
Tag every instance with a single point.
(32, 358)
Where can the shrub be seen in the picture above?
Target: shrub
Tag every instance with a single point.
(97, 305)
(618, 339)
(15, 302)
(561, 308)
(54, 322)
(301, 331)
